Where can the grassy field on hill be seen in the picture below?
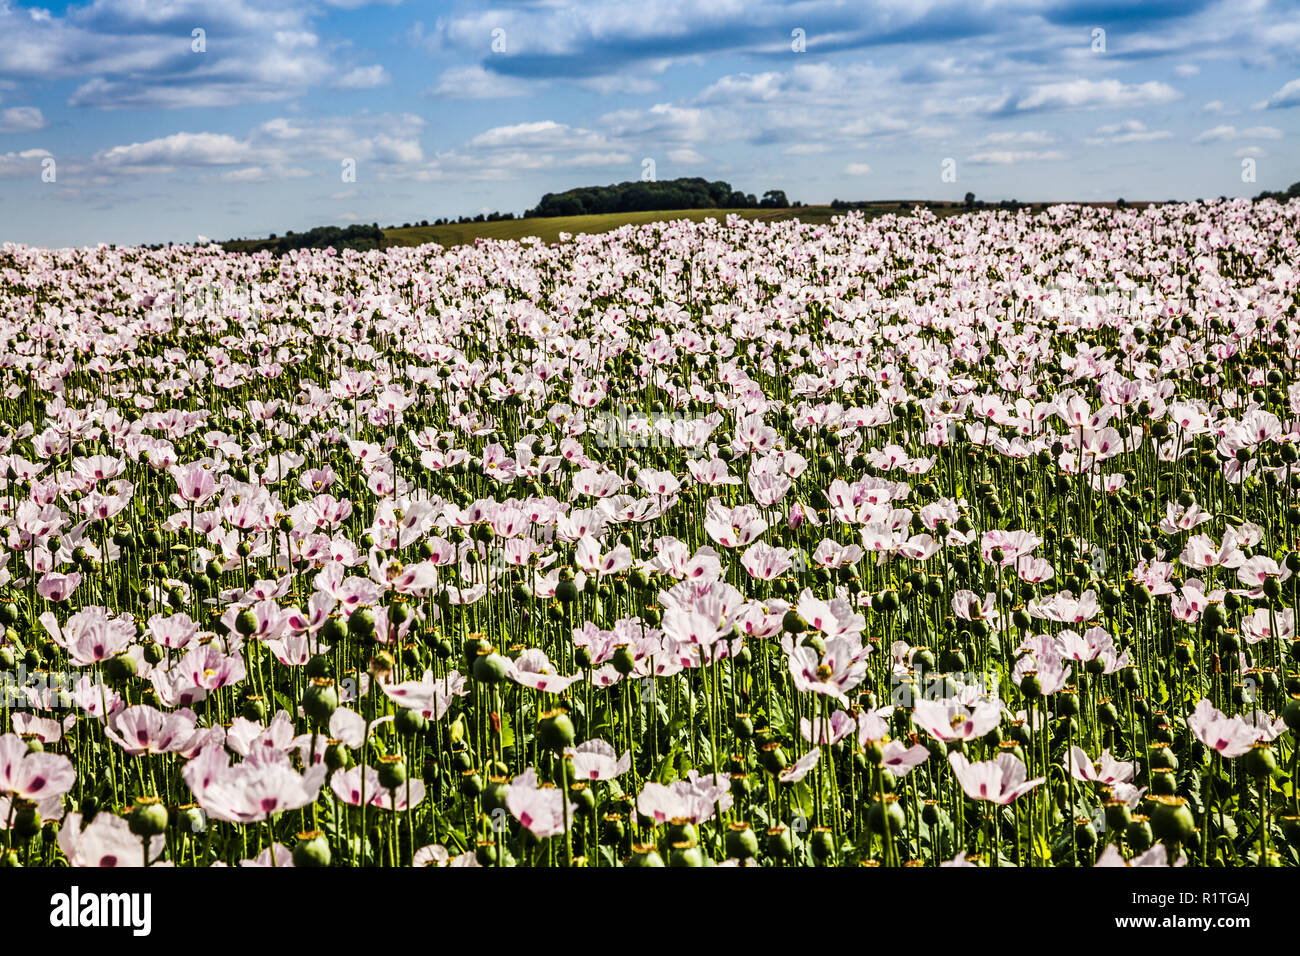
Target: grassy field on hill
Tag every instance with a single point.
(548, 229)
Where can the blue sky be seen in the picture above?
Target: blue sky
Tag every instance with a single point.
(454, 108)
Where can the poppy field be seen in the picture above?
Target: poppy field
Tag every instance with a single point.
(902, 542)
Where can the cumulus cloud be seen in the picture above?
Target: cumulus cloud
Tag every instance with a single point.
(1129, 131)
(364, 78)
(21, 119)
(1287, 96)
(476, 83)
(1009, 157)
(1094, 94)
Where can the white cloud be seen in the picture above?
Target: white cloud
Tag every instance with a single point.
(857, 169)
(1288, 95)
(476, 83)
(24, 163)
(1009, 157)
(1093, 94)
(21, 119)
(543, 133)
(806, 149)
(364, 78)
(1187, 69)
(1216, 134)
(1129, 131)
(179, 149)
(1029, 137)
(1223, 133)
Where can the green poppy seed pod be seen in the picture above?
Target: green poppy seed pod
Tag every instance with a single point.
(583, 799)
(1162, 757)
(471, 783)
(1137, 833)
(779, 844)
(320, 700)
(1260, 761)
(822, 843)
(337, 755)
(792, 623)
(410, 721)
(772, 757)
(741, 841)
(246, 622)
(1163, 782)
(361, 623)
(392, 771)
(26, 821)
(685, 855)
(120, 668)
(1031, 686)
(1171, 818)
(318, 666)
(333, 631)
(312, 849)
(399, 613)
(489, 667)
(555, 730)
(888, 812)
(932, 813)
(624, 659)
(148, 817)
(566, 592)
(254, 709)
(1084, 833)
(613, 829)
(645, 854)
(1118, 815)
(1291, 712)
(743, 727)
(494, 794)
